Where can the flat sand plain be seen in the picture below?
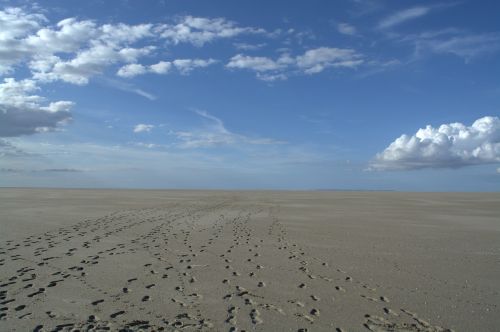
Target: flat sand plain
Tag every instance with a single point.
(248, 261)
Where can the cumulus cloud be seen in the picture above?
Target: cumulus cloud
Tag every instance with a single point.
(403, 16)
(76, 50)
(450, 145)
(88, 49)
(161, 67)
(22, 112)
(311, 62)
(316, 60)
(199, 30)
(183, 66)
(15, 25)
(141, 128)
(132, 70)
(88, 63)
(257, 63)
(72, 50)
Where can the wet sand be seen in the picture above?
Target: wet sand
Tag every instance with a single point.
(254, 261)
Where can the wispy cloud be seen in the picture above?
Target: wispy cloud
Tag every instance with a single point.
(9, 150)
(403, 16)
(346, 29)
(214, 133)
(365, 7)
(451, 41)
(125, 86)
(248, 46)
(47, 170)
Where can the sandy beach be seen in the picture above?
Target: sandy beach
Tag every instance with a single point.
(248, 261)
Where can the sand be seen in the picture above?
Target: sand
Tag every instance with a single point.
(255, 261)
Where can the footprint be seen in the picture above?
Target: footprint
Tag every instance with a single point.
(20, 307)
(314, 312)
(390, 312)
(339, 288)
(116, 314)
(255, 316)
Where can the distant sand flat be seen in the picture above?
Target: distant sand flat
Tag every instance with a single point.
(248, 261)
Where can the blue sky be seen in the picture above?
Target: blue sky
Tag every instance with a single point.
(351, 94)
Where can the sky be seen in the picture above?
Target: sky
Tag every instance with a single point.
(250, 94)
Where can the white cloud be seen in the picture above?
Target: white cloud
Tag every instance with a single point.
(248, 47)
(449, 146)
(72, 50)
(88, 63)
(22, 112)
(126, 86)
(161, 67)
(346, 29)
(311, 62)
(15, 25)
(141, 128)
(452, 41)
(132, 70)
(184, 66)
(213, 134)
(199, 31)
(9, 150)
(256, 63)
(68, 36)
(316, 60)
(271, 77)
(498, 170)
(75, 50)
(403, 16)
